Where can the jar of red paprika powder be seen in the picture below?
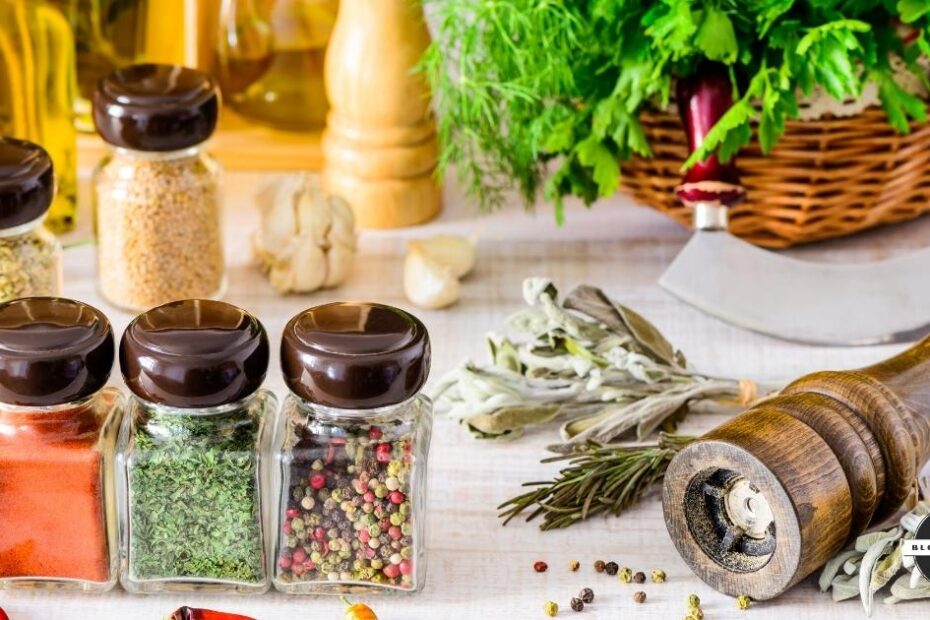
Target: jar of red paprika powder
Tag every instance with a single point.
(352, 451)
(58, 429)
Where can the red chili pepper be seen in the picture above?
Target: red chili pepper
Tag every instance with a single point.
(191, 613)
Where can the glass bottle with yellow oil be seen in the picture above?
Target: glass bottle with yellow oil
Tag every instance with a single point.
(37, 90)
(107, 38)
(270, 60)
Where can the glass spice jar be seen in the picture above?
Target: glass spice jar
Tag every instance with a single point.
(157, 194)
(352, 450)
(30, 255)
(58, 431)
(192, 476)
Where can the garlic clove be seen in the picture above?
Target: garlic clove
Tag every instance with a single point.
(427, 282)
(312, 271)
(458, 253)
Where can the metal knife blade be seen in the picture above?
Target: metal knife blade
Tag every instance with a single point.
(815, 303)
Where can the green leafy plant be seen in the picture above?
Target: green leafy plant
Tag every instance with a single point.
(544, 96)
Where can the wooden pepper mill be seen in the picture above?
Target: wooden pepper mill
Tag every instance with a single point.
(761, 502)
(380, 143)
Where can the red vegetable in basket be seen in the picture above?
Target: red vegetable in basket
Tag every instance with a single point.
(702, 100)
(192, 613)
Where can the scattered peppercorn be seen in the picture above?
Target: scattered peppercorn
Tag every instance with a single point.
(551, 608)
(696, 613)
(639, 597)
(358, 611)
(599, 566)
(639, 577)
(611, 568)
(625, 574)
(574, 565)
(577, 604)
(694, 601)
(586, 595)
(658, 576)
(743, 602)
(540, 567)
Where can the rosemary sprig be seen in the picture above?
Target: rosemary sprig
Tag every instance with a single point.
(598, 480)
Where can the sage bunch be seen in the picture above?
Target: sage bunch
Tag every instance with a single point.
(876, 560)
(595, 366)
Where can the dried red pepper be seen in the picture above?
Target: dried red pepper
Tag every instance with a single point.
(192, 613)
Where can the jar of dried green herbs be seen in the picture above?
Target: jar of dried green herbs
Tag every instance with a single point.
(352, 451)
(157, 194)
(192, 473)
(30, 255)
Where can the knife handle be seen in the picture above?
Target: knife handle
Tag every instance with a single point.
(710, 186)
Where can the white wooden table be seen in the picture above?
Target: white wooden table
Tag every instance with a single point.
(478, 569)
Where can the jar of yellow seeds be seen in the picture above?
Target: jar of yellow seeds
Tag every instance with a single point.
(157, 193)
(30, 255)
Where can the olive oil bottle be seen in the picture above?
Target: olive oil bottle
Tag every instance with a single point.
(270, 60)
(37, 91)
(107, 37)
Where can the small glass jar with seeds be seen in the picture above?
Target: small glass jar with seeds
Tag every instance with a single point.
(352, 449)
(157, 195)
(193, 496)
(30, 255)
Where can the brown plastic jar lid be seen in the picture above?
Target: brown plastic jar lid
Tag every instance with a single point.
(153, 107)
(53, 351)
(27, 182)
(194, 353)
(355, 355)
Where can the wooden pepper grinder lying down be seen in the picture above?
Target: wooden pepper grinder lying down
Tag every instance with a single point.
(761, 502)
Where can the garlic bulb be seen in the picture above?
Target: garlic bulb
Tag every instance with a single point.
(307, 239)
(433, 267)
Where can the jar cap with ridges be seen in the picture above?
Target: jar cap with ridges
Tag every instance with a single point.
(353, 355)
(152, 107)
(53, 351)
(27, 182)
(194, 353)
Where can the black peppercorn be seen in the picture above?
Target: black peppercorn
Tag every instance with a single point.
(586, 596)
(639, 577)
(577, 604)
(611, 568)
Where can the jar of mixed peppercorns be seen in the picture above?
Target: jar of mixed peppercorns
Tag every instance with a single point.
(30, 255)
(193, 493)
(352, 451)
(157, 193)
(58, 431)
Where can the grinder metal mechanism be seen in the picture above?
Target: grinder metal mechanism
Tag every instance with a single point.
(764, 500)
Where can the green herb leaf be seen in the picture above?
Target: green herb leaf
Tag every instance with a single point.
(716, 36)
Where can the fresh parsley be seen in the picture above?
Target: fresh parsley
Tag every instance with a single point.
(544, 96)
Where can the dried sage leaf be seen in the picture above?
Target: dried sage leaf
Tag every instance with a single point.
(600, 368)
(844, 588)
(594, 303)
(832, 568)
(870, 561)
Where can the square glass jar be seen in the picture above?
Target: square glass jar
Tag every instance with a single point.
(194, 497)
(58, 525)
(351, 513)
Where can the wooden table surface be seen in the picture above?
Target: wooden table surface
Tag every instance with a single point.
(478, 569)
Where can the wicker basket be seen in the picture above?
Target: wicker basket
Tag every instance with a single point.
(825, 178)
